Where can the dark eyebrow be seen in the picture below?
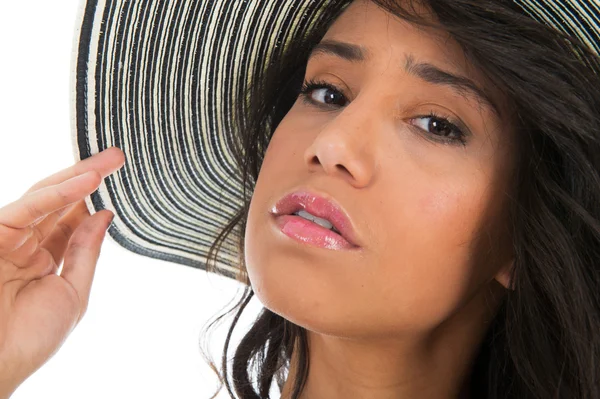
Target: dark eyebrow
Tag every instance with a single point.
(425, 71)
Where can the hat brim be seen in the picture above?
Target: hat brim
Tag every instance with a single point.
(157, 79)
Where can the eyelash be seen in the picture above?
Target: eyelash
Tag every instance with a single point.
(311, 85)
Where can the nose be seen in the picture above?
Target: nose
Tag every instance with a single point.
(346, 146)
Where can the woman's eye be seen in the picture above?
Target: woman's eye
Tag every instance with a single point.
(322, 94)
(439, 126)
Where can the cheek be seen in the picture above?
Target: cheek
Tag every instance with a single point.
(277, 175)
(449, 213)
(283, 158)
(445, 222)
(428, 259)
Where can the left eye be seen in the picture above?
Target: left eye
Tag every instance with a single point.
(438, 126)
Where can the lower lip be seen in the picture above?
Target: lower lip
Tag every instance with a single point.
(308, 232)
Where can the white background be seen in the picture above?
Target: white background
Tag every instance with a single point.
(140, 336)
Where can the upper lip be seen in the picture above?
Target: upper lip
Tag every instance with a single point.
(320, 206)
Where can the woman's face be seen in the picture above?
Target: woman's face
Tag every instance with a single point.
(428, 209)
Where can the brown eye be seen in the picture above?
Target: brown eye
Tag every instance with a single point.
(322, 94)
(439, 128)
(327, 96)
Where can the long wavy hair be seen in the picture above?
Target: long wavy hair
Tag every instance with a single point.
(544, 341)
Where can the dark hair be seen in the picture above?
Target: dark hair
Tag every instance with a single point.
(544, 340)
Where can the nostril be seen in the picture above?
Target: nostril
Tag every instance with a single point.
(343, 168)
(315, 160)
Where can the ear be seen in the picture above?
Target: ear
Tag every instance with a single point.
(503, 275)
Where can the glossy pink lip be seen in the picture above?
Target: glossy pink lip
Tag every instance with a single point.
(318, 206)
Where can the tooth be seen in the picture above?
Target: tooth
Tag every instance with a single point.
(319, 221)
(323, 223)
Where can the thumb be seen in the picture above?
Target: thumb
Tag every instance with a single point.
(82, 255)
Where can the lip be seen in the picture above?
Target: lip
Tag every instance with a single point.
(323, 207)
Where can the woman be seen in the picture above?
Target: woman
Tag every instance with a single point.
(452, 150)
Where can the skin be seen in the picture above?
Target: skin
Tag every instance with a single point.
(49, 224)
(403, 316)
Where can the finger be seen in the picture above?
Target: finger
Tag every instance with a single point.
(38, 204)
(46, 225)
(20, 257)
(40, 264)
(82, 255)
(11, 235)
(56, 242)
(11, 238)
(105, 163)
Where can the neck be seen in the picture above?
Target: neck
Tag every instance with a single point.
(435, 365)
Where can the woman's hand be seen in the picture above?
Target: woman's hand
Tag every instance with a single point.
(38, 307)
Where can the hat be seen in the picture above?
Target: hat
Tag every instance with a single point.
(157, 78)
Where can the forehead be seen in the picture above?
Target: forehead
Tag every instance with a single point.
(385, 34)
(386, 37)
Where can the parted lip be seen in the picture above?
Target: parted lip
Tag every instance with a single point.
(319, 205)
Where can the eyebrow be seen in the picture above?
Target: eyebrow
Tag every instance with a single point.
(423, 70)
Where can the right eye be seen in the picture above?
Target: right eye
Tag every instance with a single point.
(330, 94)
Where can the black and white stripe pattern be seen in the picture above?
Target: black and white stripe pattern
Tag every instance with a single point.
(157, 78)
(577, 18)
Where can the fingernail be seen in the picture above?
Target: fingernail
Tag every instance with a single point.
(110, 220)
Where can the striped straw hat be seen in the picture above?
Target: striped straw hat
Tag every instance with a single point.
(157, 78)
